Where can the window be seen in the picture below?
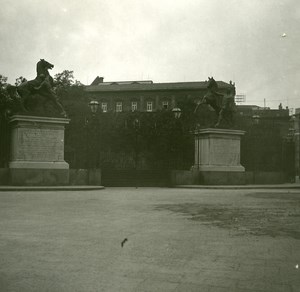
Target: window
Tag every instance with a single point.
(104, 107)
(119, 107)
(165, 104)
(134, 106)
(149, 106)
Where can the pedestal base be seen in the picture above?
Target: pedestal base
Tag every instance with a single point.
(195, 177)
(39, 165)
(217, 158)
(220, 168)
(39, 177)
(218, 150)
(222, 177)
(37, 151)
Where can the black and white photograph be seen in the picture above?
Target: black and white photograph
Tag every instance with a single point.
(150, 145)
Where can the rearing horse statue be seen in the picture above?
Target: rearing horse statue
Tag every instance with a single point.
(223, 104)
(41, 85)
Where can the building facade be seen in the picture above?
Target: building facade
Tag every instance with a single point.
(146, 96)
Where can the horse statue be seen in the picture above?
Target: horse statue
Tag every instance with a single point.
(41, 86)
(223, 104)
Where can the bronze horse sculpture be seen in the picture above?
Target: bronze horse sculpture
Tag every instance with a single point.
(42, 85)
(223, 104)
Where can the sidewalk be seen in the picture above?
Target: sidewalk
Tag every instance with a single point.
(90, 188)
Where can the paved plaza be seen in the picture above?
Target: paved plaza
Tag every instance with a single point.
(150, 239)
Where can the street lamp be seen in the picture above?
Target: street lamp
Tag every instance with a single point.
(177, 132)
(177, 112)
(136, 126)
(291, 132)
(256, 122)
(291, 146)
(256, 119)
(94, 104)
(92, 142)
(295, 121)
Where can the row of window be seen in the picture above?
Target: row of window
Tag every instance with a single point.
(134, 106)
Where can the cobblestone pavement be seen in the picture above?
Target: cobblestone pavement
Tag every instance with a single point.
(177, 240)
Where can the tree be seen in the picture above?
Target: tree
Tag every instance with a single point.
(64, 79)
(6, 102)
(78, 83)
(3, 80)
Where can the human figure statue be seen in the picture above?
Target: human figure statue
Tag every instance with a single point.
(223, 104)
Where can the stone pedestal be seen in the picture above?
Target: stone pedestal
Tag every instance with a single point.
(217, 156)
(218, 150)
(37, 151)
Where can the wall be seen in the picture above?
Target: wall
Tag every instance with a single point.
(75, 176)
(186, 177)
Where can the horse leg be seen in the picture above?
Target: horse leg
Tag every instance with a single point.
(230, 119)
(62, 110)
(220, 118)
(58, 105)
(23, 97)
(23, 108)
(198, 104)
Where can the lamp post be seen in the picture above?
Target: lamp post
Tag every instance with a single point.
(292, 150)
(92, 141)
(136, 126)
(256, 122)
(177, 112)
(177, 131)
(297, 147)
(94, 106)
(256, 119)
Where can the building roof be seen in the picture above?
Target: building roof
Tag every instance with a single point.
(250, 107)
(148, 85)
(263, 112)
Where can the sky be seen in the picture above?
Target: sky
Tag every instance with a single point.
(253, 43)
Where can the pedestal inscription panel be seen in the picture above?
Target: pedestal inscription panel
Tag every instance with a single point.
(38, 144)
(224, 151)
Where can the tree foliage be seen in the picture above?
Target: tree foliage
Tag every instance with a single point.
(65, 79)
(3, 80)
(5, 100)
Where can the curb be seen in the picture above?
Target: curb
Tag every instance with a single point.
(240, 187)
(50, 188)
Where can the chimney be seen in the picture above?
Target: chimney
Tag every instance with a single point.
(97, 80)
